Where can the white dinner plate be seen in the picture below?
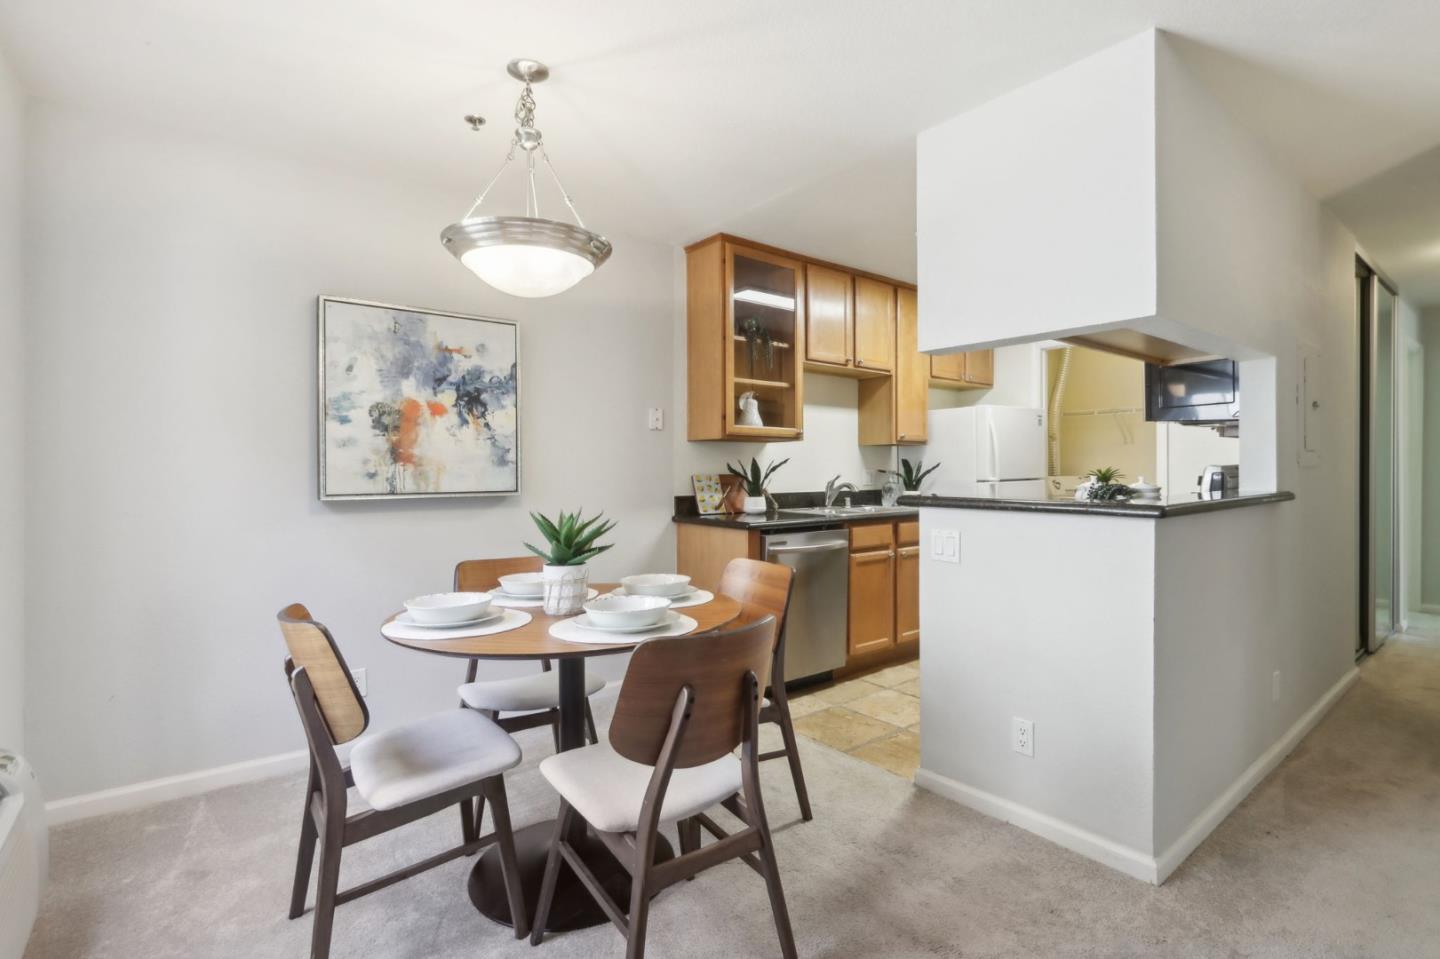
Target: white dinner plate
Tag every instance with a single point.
(583, 621)
(405, 619)
(689, 598)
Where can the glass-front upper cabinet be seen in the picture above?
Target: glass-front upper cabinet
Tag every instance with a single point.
(766, 299)
(745, 340)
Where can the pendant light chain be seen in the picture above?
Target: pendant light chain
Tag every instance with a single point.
(527, 255)
(529, 139)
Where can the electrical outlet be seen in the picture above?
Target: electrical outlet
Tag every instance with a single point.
(945, 545)
(1275, 687)
(1022, 736)
(656, 418)
(361, 682)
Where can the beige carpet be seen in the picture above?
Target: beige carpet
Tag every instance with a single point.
(1336, 854)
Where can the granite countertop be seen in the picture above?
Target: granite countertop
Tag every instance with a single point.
(685, 512)
(1186, 504)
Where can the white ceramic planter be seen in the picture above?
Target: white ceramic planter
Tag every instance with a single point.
(755, 504)
(565, 589)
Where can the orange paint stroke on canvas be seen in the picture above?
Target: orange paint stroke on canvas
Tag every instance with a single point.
(403, 447)
(436, 409)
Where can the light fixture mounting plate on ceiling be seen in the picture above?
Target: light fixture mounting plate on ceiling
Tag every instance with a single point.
(528, 71)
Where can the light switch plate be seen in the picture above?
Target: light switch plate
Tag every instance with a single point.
(945, 545)
(657, 418)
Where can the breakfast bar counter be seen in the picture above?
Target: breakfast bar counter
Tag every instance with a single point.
(1181, 505)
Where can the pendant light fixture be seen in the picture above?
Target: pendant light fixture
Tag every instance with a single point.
(526, 255)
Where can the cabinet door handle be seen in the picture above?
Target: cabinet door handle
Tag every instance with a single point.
(909, 551)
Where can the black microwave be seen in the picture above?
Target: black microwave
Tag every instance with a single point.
(1204, 392)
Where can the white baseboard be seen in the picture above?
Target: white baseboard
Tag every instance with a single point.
(1225, 803)
(1091, 845)
(1429, 608)
(137, 795)
(124, 798)
(1118, 856)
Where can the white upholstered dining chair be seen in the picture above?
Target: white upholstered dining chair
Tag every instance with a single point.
(453, 758)
(533, 699)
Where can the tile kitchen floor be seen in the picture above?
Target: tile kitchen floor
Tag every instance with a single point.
(874, 717)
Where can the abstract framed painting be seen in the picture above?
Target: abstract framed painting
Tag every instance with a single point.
(416, 404)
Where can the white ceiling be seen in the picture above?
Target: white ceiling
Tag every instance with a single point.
(1396, 216)
(670, 119)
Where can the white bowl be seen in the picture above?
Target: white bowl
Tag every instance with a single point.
(656, 584)
(530, 585)
(437, 609)
(612, 611)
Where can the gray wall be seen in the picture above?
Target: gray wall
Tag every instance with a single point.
(172, 449)
(1430, 505)
(12, 371)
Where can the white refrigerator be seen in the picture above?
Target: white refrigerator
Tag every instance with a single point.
(994, 452)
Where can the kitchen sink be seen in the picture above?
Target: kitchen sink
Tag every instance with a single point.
(850, 512)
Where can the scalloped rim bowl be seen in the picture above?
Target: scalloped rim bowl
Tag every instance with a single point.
(437, 609)
(612, 611)
(523, 585)
(656, 584)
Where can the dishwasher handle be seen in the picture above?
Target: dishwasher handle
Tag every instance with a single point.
(817, 548)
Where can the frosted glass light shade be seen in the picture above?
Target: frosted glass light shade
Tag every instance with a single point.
(526, 256)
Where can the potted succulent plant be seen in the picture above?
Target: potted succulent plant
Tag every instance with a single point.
(1103, 485)
(908, 478)
(571, 543)
(754, 482)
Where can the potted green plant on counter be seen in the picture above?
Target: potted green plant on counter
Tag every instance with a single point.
(571, 543)
(1103, 485)
(906, 479)
(755, 483)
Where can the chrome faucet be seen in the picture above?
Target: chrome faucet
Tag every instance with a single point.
(834, 489)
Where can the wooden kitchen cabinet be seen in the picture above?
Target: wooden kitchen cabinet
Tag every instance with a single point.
(963, 371)
(907, 585)
(745, 308)
(829, 320)
(883, 610)
(872, 603)
(893, 410)
(874, 325)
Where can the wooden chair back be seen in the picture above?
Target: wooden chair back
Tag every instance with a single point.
(313, 649)
(760, 585)
(478, 575)
(714, 667)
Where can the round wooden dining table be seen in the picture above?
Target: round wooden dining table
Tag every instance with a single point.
(574, 907)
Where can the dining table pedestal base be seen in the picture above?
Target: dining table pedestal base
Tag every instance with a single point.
(574, 907)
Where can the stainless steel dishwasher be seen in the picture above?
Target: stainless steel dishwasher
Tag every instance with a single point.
(815, 629)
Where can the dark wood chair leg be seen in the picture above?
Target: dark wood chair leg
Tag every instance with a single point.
(792, 756)
(555, 728)
(303, 862)
(325, 893)
(688, 831)
(469, 829)
(639, 914)
(509, 866)
(590, 722)
(552, 874)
